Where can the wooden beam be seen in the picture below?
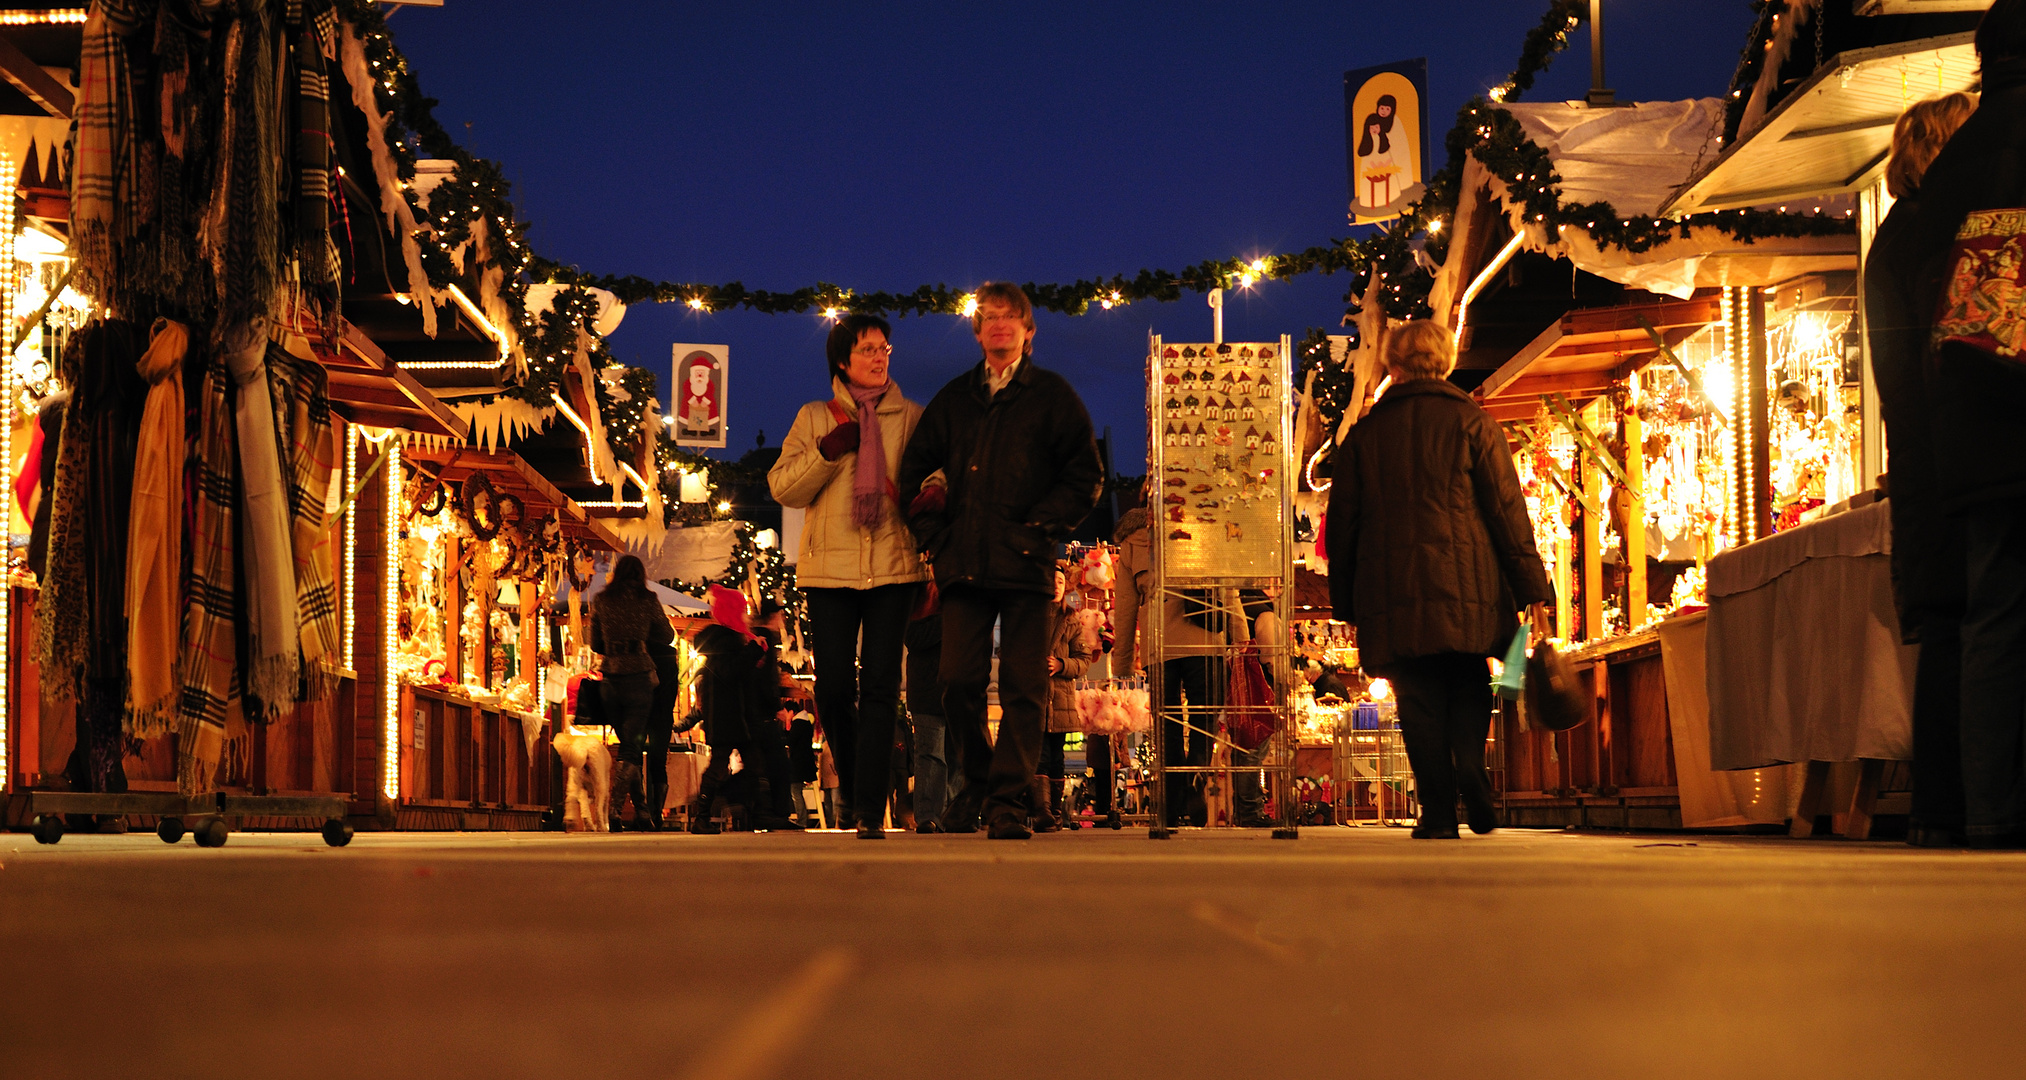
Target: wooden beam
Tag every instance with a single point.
(29, 78)
(1593, 537)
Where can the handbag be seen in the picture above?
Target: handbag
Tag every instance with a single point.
(1983, 306)
(1248, 705)
(1554, 697)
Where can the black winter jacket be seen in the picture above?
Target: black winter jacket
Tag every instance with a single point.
(1927, 546)
(1979, 402)
(1430, 547)
(1023, 471)
(725, 687)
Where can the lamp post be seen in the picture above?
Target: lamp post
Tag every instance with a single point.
(1601, 96)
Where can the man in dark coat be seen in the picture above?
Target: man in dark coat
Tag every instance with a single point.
(1927, 545)
(1432, 554)
(1978, 406)
(1014, 443)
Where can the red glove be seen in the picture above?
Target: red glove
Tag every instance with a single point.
(931, 501)
(839, 442)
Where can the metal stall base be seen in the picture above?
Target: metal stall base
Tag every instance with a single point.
(207, 817)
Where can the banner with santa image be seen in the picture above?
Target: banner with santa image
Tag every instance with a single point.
(702, 378)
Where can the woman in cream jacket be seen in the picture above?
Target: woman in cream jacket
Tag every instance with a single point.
(858, 564)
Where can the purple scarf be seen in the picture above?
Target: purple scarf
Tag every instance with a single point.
(868, 484)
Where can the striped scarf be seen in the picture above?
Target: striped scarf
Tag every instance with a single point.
(105, 172)
(210, 630)
(312, 45)
(302, 408)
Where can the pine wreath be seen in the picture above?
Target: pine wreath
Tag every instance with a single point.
(479, 504)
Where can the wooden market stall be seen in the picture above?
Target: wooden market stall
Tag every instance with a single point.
(477, 637)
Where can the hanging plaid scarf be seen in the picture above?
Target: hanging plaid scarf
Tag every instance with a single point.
(312, 45)
(210, 632)
(105, 177)
(303, 410)
(242, 227)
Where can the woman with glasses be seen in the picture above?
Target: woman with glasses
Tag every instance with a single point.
(858, 564)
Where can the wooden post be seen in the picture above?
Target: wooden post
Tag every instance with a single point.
(1565, 602)
(1761, 426)
(529, 644)
(453, 611)
(1593, 533)
(1635, 510)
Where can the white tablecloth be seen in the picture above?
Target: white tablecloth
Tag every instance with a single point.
(1805, 662)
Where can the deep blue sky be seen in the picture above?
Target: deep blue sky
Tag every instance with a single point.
(884, 146)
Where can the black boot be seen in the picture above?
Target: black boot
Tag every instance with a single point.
(700, 821)
(1037, 806)
(1057, 800)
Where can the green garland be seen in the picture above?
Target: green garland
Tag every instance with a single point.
(1542, 43)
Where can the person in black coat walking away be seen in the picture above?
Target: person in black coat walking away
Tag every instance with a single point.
(1927, 545)
(1977, 408)
(1432, 555)
(625, 619)
(1014, 443)
(939, 753)
(732, 659)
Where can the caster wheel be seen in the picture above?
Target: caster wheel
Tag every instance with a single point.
(1287, 834)
(212, 833)
(48, 828)
(337, 833)
(170, 830)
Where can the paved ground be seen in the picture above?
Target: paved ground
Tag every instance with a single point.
(1346, 953)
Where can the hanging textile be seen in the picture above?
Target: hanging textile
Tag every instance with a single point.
(242, 227)
(210, 645)
(302, 408)
(105, 177)
(79, 632)
(312, 38)
(155, 538)
(267, 555)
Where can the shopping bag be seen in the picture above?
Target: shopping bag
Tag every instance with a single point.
(1512, 678)
(1554, 697)
(1983, 306)
(1248, 705)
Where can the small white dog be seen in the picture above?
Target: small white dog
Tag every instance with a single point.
(587, 800)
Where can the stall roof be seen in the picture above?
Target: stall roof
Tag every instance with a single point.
(1588, 351)
(511, 475)
(1918, 7)
(368, 388)
(1830, 136)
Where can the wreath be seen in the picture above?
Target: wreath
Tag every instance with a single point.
(431, 496)
(479, 504)
(512, 511)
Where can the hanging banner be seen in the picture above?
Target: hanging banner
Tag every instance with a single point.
(702, 378)
(1386, 136)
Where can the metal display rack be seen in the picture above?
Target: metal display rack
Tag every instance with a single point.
(1221, 521)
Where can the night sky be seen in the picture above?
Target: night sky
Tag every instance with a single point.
(885, 146)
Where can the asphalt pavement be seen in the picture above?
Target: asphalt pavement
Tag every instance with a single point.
(1347, 952)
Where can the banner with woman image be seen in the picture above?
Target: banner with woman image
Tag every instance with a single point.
(1386, 132)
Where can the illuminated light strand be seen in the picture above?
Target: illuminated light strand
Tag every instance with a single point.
(590, 458)
(52, 16)
(7, 407)
(351, 546)
(391, 578)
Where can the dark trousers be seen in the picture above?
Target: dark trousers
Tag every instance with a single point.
(1445, 716)
(1053, 746)
(1994, 671)
(998, 773)
(1937, 727)
(1188, 677)
(858, 695)
(1097, 750)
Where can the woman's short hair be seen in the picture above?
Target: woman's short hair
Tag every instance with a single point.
(844, 338)
(1003, 292)
(1919, 135)
(1421, 349)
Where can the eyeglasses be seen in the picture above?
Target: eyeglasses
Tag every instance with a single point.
(1002, 316)
(873, 350)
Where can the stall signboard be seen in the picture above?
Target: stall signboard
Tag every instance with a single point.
(702, 379)
(1221, 427)
(1385, 130)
